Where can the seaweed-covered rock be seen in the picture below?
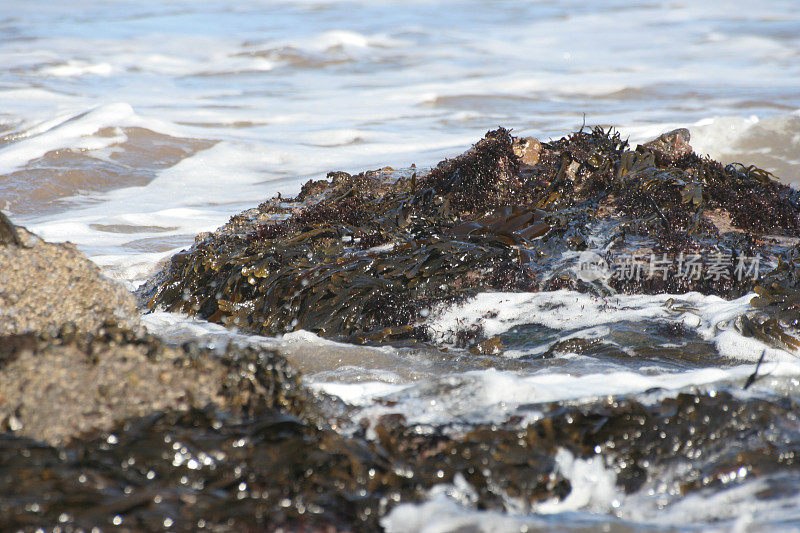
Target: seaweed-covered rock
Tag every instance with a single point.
(123, 430)
(74, 358)
(44, 285)
(204, 469)
(666, 448)
(366, 257)
(212, 469)
(103, 425)
(717, 432)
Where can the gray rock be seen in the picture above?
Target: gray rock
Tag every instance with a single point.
(53, 390)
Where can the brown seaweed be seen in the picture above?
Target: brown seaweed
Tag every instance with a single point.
(365, 257)
(216, 470)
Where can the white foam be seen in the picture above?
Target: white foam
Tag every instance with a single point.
(492, 396)
(738, 508)
(592, 486)
(752, 512)
(338, 137)
(442, 514)
(332, 39)
(711, 316)
(719, 135)
(75, 132)
(189, 186)
(451, 508)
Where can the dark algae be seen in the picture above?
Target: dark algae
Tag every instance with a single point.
(366, 257)
(367, 254)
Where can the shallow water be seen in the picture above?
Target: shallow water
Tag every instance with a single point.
(128, 128)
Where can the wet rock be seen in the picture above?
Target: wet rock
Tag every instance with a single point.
(367, 257)
(103, 425)
(672, 145)
(44, 285)
(669, 446)
(717, 432)
(491, 346)
(228, 470)
(74, 358)
(124, 431)
(206, 468)
(192, 470)
(527, 149)
(363, 260)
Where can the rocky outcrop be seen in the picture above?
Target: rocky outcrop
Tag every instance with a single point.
(106, 426)
(44, 285)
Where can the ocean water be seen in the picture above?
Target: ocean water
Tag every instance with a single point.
(129, 127)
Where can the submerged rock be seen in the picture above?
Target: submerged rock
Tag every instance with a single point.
(367, 257)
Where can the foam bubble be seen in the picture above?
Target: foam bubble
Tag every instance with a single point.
(593, 485)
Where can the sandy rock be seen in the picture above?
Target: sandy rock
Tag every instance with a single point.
(55, 389)
(43, 285)
(74, 358)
